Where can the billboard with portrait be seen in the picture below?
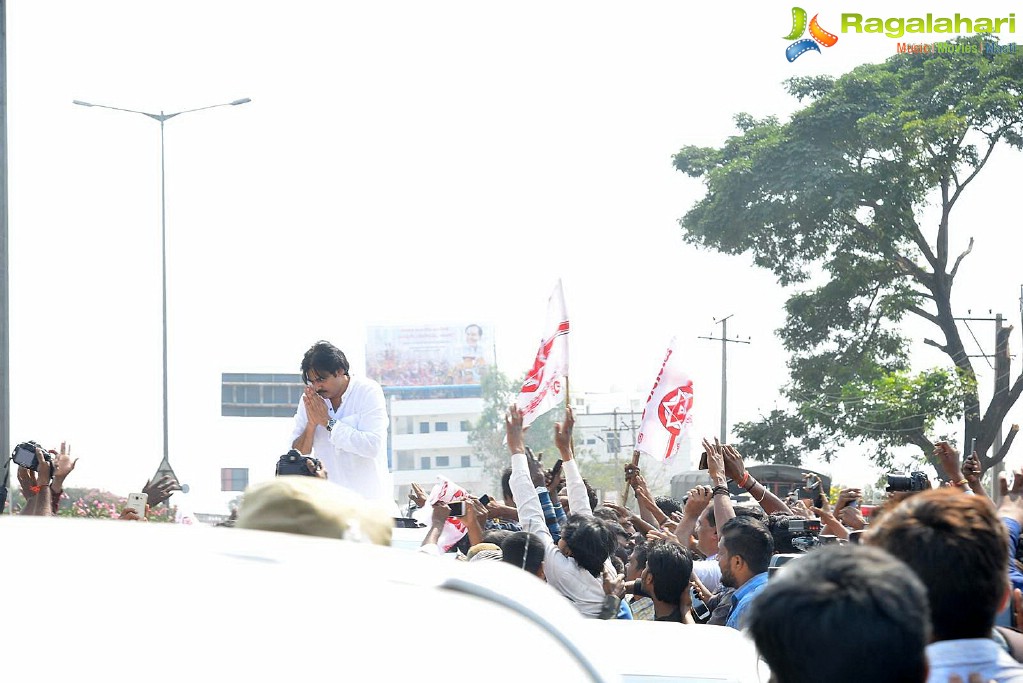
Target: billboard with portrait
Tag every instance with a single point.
(429, 355)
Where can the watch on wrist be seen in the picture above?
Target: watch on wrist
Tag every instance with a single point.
(330, 424)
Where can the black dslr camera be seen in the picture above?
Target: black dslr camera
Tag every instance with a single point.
(24, 455)
(915, 481)
(294, 462)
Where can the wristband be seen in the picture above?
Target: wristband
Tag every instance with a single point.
(752, 482)
(35, 489)
(962, 482)
(745, 478)
(720, 491)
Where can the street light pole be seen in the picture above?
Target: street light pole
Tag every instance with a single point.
(162, 117)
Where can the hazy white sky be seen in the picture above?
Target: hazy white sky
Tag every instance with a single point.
(400, 162)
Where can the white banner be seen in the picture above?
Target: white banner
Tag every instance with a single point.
(546, 382)
(454, 529)
(668, 411)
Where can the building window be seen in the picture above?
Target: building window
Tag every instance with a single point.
(424, 427)
(424, 463)
(405, 460)
(440, 426)
(590, 442)
(442, 461)
(464, 426)
(234, 478)
(466, 461)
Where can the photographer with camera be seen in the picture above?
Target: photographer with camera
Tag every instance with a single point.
(41, 475)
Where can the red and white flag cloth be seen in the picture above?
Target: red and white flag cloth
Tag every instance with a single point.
(668, 411)
(546, 382)
(447, 491)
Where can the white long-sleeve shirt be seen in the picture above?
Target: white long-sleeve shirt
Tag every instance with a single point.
(584, 590)
(354, 452)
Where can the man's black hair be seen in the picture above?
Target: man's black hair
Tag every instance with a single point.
(591, 494)
(590, 539)
(778, 526)
(606, 514)
(873, 599)
(523, 550)
(749, 538)
(741, 511)
(496, 536)
(671, 565)
(506, 484)
(640, 552)
(668, 505)
(324, 357)
(478, 329)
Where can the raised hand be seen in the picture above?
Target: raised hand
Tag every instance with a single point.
(161, 490)
(948, 456)
(417, 495)
(697, 499)
(513, 430)
(63, 465)
(735, 469)
(971, 469)
(563, 434)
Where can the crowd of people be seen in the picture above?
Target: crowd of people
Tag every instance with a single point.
(928, 588)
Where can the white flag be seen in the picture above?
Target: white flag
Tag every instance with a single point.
(668, 409)
(545, 383)
(454, 529)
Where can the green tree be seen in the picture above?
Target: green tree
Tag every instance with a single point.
(487, 435)
(838, 204)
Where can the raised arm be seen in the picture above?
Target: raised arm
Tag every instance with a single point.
(723, 510)
(735, 469)
(526, 499)
(578, 500)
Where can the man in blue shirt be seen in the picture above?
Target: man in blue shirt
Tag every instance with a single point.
(745, 547)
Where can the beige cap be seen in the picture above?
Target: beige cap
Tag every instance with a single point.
(314, 507)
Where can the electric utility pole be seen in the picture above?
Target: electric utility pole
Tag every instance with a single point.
(724, 371)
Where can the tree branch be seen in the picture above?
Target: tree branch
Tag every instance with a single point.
(930, 317)
(931, 342)
(955, 268)
(993, 139)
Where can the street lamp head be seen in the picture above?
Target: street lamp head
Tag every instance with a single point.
(241, 101)
(79, 102)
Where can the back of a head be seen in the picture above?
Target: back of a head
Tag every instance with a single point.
(523, 550)
(506, 484)
(778, 525)
(606, 514)
(591, 541)
(958, 547)
(671, 566)
(668, 505)
(496, 536)
(313, 507)
(867, 599)
(749, 538)
(740, 511)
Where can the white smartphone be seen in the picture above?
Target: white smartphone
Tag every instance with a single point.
(137, 502)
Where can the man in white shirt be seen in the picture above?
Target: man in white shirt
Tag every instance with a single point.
(342, 421)
(575, 566)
